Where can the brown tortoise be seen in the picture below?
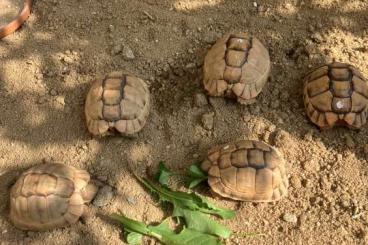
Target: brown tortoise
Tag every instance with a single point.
(117, 102)
(336, 94)
(237, 66)
(50, 195)
(246, 170)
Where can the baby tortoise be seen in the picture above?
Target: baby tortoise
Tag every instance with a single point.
(117, 102)
(236, 66)
(246, 170)
(50, 195)
(336, 94)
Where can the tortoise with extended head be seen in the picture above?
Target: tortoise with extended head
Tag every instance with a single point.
(336, 94)
(50, 195)
(246, 170)
(236, 66)
(118, 102)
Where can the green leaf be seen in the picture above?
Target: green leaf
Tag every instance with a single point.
(163, 174)
(195, 176)
(185, 200)
(163, 233)
(133, 238)
(196, 171)
(202, 222)
(131, 225)
(185, 237)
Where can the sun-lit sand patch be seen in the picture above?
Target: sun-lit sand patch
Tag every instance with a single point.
(195, 4)
(288, 9)
(325, 3)
(140, 153)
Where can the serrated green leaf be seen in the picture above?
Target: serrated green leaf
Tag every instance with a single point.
(163, 174)
(133, 238)
(163, 233)
(195, 176)
(191, 201)
(201, 222)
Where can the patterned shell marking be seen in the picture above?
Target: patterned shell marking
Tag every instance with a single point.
(118, 102)
(49, 196)
(336, 94)
(238, 66)
(246, 170)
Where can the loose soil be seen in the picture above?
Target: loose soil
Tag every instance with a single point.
(46, 68)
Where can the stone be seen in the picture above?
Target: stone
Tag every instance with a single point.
(53, 92)
(60, 100)
(290, 218)
(295, 182)
(207, 120)
(349, 141)
(104, 196)
(128, 53)
(365, 149)
(200, 100)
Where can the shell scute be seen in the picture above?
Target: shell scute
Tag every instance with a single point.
(44, 195)
(336, 94)
(237, 66)
(257, 172)
(120, 97)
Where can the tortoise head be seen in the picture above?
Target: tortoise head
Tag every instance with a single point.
(89, 192)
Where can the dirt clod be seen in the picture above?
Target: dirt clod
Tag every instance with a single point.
(200, 100)
(207, 120)
(290, 218)
(104, 196)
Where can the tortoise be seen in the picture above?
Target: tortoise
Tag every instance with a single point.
(237, 66)
(118, 102)
(336, 94)
(50, 195)
(246, 170)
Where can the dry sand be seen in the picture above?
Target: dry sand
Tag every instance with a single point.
(46, 68)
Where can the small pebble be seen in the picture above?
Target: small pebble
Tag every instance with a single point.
(349, 141)
(365, 149)
(207, 120)
(296, 182)
(200, 100)
(338, 157)
(210, 37)
(53, 92)
(290, 218)
(60, 100)
(131, 200)
(128, 53)
(104, 196)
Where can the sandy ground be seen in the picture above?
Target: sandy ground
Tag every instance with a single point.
(47, 66)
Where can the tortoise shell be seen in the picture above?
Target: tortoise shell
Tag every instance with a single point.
(246, 170)
(118, 102)
(237, 66)
(336, 94)
(50, 195)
